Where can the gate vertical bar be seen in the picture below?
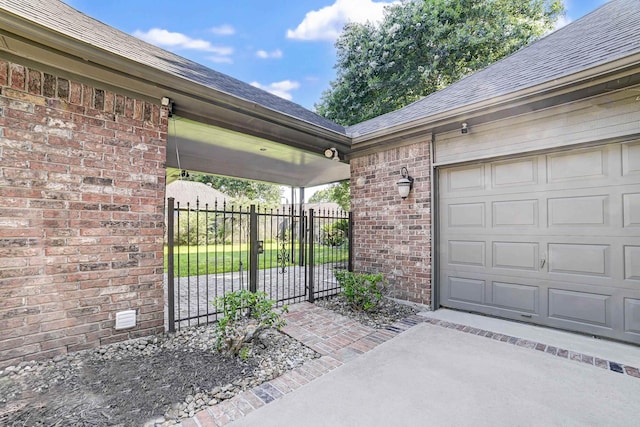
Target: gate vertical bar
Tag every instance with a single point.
(350, 241)
(301, 233)
(310, 263)
(170, 265)
(253, 249)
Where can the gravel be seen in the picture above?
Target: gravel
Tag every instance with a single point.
(386, 312)
(147, 381)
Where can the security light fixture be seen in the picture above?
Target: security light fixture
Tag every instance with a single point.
(405, 184)
(332, 153)
(465, 128)
(168, 103)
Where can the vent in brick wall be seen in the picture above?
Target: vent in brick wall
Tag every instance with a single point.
(125, 319)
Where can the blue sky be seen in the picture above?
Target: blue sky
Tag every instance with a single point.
(284, 46)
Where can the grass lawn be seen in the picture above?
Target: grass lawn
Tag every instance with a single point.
(213, 259)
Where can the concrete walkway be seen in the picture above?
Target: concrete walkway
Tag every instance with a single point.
(441, 369)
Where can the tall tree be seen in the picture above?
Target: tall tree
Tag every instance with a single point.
(338, 193)
(422, 46)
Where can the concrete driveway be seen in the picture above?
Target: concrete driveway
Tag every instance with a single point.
(434, 376)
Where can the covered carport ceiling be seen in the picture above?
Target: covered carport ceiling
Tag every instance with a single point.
(197, 146)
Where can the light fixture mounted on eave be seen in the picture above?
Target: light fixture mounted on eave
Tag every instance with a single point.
(168, 104)
(332, 153)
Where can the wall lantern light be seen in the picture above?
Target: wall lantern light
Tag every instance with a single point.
(405, 184)
(332, 153)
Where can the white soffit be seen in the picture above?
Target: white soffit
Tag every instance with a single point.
(210, 149)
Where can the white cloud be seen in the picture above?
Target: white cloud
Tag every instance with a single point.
(561, 22)
(220, 59)
(269, 55)
(223, 30)
(327, 23)
(164, 38)
(280, 89)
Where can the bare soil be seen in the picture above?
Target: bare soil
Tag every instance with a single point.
(126, 392)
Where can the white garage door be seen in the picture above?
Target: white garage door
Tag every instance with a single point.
(551, 239)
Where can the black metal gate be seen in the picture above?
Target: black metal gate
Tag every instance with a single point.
(287, 253)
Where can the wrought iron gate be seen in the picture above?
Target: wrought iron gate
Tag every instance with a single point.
(287, 253)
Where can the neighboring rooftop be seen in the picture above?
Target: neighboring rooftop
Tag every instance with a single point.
(610, 32)
(191, 192)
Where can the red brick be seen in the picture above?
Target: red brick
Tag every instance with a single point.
(18, 76)
(57, 230)
(4, 73)
(34, 82)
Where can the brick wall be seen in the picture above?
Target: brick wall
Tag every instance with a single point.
(81, 214)
(392, 235)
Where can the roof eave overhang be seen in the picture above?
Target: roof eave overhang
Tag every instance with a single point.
(590, 82)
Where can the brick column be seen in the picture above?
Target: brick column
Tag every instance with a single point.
(82, 187)
(392, 235)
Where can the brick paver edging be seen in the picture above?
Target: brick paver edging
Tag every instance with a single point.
(339, 339)
(555, 351)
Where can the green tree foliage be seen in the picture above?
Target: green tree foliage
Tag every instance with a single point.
(339, 193)
(244, 192)
(422, 46)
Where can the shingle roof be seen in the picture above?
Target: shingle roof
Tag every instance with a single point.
(606, 34)
(64, 19)
(189, 192)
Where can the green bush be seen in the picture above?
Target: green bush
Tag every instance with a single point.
(362, 291)
(245, 315)
(335, 233)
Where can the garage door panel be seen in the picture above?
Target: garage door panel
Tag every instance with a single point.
(512, 213)
(470, 253)
(631, 158)
(632, 315)
(576, 165)
(632, 263)
(516, 255)
(580, 259)
(631, 209)
(466, 290)
(580, 307)
(514, 296)
(578, 211)
(516, 172)
(466, 215)
(466, 178)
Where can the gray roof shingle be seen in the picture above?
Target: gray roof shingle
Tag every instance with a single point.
(64, 19)
(191, 192)
(611, 32)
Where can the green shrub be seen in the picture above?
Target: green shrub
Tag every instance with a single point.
(362, 291)
(335, 233)
(245, 315)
